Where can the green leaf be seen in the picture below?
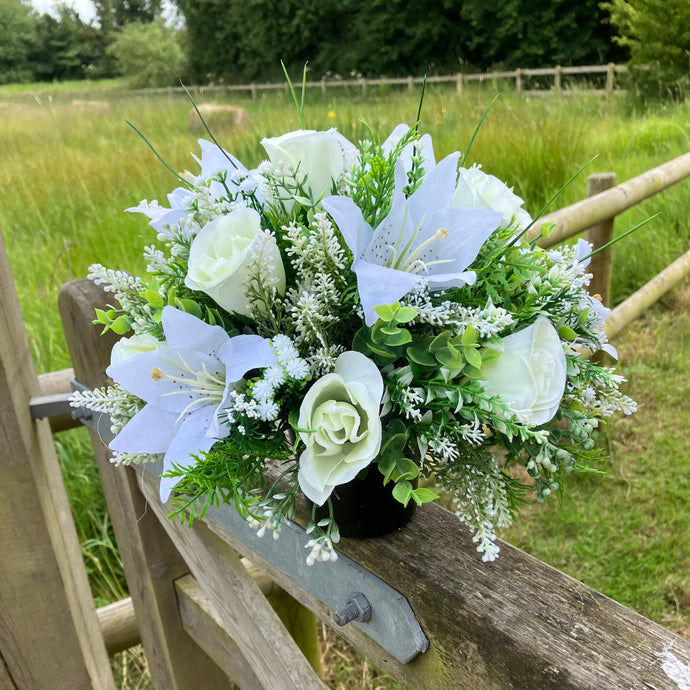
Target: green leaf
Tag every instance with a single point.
(402, 492)
(101, 317)
(547, 228)
(406, 469)
(386, 312)
(402, 337)
(191, 307)
(360, 343)
(439, 342)
(566, 333)
(450, 357)
(120, 325)
(421, 356)
(406, 314)
(153, 298)
(473, 357)
(423, 496)
(469, 337)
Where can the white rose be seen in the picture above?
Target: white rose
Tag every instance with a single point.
(320, 156)
(134, 345)
(219, 259)
(341, 426)
(530, 373)
(476, 189)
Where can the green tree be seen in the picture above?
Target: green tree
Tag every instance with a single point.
(64, 48)
(657, 32)
(536, 33)
(148, 54)
(17, 32)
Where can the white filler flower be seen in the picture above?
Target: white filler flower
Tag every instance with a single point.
(340, 425)
(220, 256)
(529, 376)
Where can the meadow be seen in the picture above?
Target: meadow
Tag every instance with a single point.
(68, 174)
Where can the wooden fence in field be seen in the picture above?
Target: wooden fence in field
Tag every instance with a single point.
(205, 618)
(520, 77)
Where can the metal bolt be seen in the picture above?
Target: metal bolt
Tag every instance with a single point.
(357, 608)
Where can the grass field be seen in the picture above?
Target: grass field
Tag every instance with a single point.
(67, 175)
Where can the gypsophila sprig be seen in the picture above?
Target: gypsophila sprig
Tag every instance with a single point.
(353, 313)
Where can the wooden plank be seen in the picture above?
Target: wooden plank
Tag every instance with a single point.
(119, 625)
(204, 626)
(151, 561)
(584, 214)
(49, 633)
(52, 383)
(241, 607)
(514, 623)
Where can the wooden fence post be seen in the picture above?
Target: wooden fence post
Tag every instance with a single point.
(599, 235)
(518, 80)
(610, 79)
(557, 79)
(151, 561)
(49, 631)
(459, 84)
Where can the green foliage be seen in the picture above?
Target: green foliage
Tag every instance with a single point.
(532, 33)
(148, 55)
(245, 41)
(657, 33)
(17, 34)
(65, 48)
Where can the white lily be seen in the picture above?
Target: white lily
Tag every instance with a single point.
(185, 383)
(421, 238)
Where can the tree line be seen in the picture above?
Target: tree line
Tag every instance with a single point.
(235, 41)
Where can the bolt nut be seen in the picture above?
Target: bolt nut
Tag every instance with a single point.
(357, 608)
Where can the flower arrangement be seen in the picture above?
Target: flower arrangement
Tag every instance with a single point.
(346, 309)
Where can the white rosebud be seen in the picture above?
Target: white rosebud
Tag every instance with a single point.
(529, 375)
(220, 255)
(341, 425)
(320, 156)
(135, 345)
(476, 189)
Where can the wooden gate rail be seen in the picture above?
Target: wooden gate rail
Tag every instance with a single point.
(601, 207)
(516, 622)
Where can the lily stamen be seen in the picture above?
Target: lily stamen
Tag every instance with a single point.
(411, 260)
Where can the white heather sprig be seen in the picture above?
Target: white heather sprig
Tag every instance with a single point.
(114, 401)
(487, 321)
(124, 286)
(481, 502)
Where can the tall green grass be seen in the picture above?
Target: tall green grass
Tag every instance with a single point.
(67, 175)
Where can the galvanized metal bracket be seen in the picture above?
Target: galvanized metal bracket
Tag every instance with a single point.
(59, 404)
(392, 624)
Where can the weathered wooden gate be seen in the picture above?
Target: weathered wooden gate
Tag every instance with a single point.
(203, 618)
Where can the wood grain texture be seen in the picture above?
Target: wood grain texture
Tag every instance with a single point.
(119, 625)
(514, 623)
(588, 212)
(151, 561)
(598, 236)
(238, 601)
(49, 633)
(202, 623)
